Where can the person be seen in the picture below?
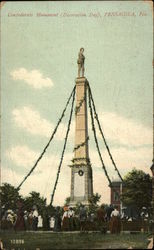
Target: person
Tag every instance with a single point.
(10, 216)
(57, 217)
(80, 62)
(91, 217)
(65, 219)
(20, 222)
(35, 218)
(40, 220)
(123, 214)
(144, 217)
(101, 214)
(4, 223)
(115, 221)
(52, 222)
(71, 215)
(26, 219)
(9, 219)
(30, 220)
(108, 212)
(76, 221)
(144, 214)
(45, 217)
(83, 217)
(1, 245)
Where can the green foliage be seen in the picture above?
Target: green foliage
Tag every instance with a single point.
(50, 210)
(81, 144)
(94, 200)
(9, 196)
(137, 189)
(67, 201)
(77, 208)
(77, 109)
(35, 199)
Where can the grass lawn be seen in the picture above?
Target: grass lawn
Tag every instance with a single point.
(49, 240)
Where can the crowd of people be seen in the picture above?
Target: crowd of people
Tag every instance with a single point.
(71, 219)
(62, 219)
(67, 218)
(20, 220)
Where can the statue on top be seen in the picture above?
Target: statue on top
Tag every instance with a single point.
(80, 62)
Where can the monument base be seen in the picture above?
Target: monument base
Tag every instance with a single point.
(73, 203)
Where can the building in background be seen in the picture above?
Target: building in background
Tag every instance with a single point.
(116, 191)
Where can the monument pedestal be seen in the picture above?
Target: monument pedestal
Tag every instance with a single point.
(81, 171)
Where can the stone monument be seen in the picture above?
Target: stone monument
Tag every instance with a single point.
(81, 171)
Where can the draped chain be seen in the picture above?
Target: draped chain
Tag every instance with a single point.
(64, 147)
(102, 134)
(52, 136)
(95, 137)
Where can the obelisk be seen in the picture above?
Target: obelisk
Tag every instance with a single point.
(81, 171)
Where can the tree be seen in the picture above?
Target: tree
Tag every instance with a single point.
(9, 196)
(94, 202)
(35, 199)
(67, 201)
(137, 189)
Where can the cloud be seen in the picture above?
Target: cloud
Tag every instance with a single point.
(117, 129)
(31, 120)
(22, 156)
(125, 159)
(33, 78)
(43, 178)
(125, 131)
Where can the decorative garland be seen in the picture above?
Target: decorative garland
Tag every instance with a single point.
(52, 136)
(82, 144)
(64, 147)
(79, 165)
(80, 159)
(95, 137)
(80, 173)
(101, 131)
(77, 109)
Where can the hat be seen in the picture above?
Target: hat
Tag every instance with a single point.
(9, 211)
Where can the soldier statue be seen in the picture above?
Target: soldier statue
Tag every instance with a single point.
(80, 62)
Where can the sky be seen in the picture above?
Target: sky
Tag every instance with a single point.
(38, 71)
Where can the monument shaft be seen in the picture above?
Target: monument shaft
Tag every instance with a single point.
(81, 121)
(81, 172)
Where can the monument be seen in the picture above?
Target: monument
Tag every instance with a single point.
(81, 171)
